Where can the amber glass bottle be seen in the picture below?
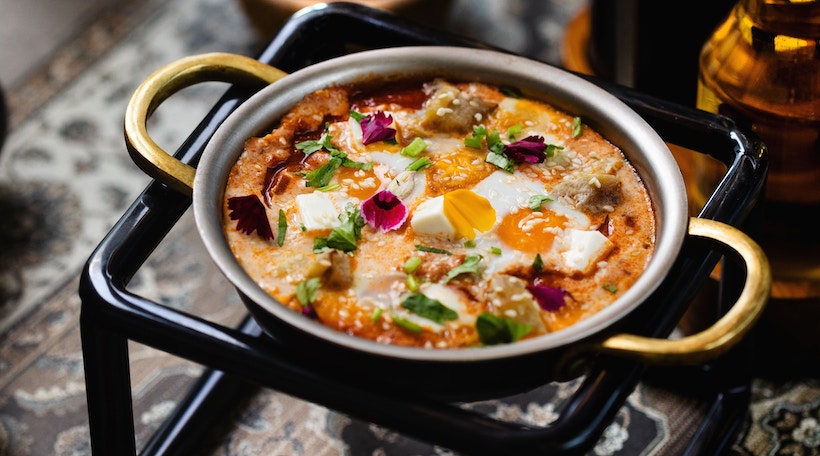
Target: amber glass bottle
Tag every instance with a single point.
(761, 67)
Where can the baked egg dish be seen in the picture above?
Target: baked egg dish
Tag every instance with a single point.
(437, 213)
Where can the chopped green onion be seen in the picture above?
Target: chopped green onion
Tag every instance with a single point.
(576, 127)
(329, 187)
(419, 164)
(413, 149)
(376, 315)
(283, 228)
(412, 284)
(495, 250)
(424, 248)
(610, 288)
(411, 264)
(469, 243)
(406, 324)
(512, 131)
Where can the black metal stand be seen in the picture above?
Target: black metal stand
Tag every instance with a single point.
(111, 316)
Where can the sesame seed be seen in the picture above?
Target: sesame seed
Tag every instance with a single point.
(441, 112)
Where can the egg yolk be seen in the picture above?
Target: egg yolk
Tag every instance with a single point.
(530, 231)
(358, 183)
(467, 211)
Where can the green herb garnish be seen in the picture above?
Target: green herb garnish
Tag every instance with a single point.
(419, 164)
(415, 147)
(424, 248)
(538, 263)
(536, 201)
(495, 250)
(357, 116)
(411, 264)
(306, 291)
(428, 308)
(470, 265)
(406, 324)
(576, 127)
(512, 131)
(282, 228)
(610, 288)
(494, 330)
(344, 237)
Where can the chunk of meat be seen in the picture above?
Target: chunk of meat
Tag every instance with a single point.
(451, 110)
(590, 192)
(509, 298)
(309, 115)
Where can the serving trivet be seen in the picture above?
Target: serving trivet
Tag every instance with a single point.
(112, 316)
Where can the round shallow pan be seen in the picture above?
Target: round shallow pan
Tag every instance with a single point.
(455, 373)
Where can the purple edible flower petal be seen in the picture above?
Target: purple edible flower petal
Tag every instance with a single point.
(528, 150)
(384, 211)
(549, 298)
(375, 128)
(251, 215)
(309, 312)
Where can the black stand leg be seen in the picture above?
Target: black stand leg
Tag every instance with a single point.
(107, 375)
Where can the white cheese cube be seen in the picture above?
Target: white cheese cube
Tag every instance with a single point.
(429, 218)
(317, 211)
(584, 250)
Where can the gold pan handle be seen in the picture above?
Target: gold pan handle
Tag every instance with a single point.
(171, 78)
(728, 330)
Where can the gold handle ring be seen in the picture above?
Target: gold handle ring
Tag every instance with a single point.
(170, 79)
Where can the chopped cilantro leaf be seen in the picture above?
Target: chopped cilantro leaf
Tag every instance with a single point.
(538, 263)
(357, 116)
(344, 237)
(536, 201)
(494, 330)
(470, 265)
(306, 291)
(428, 308)
(500, 160)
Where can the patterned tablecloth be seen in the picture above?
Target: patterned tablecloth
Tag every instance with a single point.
(65, 178)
